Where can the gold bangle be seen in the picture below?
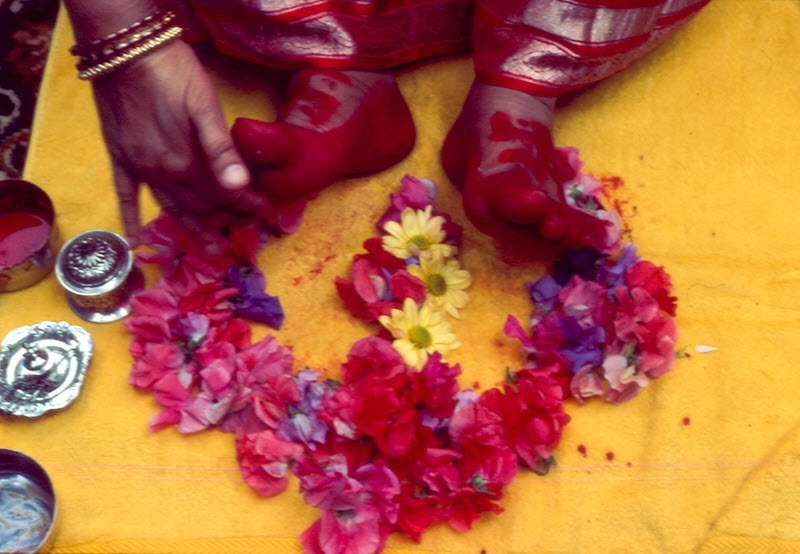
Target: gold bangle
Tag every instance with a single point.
(104, 68)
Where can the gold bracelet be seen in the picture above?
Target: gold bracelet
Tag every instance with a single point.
(104, 68)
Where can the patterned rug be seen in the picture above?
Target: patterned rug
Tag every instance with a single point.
(26, 27)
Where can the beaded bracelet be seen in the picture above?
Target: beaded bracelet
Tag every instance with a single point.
(90, 47)
(106, 67)
(125, 43)
(104, 55)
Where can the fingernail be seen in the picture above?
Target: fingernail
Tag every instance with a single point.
(235, 176)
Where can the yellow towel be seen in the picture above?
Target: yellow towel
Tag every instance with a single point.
(704, 134)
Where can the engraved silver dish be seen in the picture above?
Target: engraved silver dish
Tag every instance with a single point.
(97, 272)
(27, 504)
(19, 196)
(42, 367)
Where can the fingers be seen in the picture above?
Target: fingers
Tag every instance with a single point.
(226, 164)
(196, 215)
(128, 196)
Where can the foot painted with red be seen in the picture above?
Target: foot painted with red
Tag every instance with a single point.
(500, 153)
(335, 123)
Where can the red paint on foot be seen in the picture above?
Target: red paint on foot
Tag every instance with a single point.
(582, 450)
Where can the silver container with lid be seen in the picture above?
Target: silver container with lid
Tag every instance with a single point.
(97, 272)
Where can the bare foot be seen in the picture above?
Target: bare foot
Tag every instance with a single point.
(335, 123)
(500, 153)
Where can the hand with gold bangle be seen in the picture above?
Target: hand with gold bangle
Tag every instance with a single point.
(161, 118)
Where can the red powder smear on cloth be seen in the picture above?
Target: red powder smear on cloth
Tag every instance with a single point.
(611, 184)
(21, 235)
(582, 449)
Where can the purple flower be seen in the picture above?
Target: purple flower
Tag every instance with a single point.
(614, 276)
(303, 424)
(544, 293)
(583, 344)
(252, 302)
(303, 428)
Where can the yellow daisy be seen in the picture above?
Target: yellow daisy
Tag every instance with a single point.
(445, 282)
(418, 234)
(419, 332)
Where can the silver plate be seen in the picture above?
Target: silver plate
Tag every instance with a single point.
(42, 367)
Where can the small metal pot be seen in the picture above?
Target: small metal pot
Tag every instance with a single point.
(22, 199)
(27, 504)
(97, 272)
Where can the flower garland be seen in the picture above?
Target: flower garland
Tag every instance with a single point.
(394, 445)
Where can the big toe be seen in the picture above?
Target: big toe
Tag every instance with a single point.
(262, 142)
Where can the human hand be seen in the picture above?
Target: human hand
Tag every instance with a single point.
(163, 125)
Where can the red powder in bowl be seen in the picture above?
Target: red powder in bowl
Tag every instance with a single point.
(21, 235)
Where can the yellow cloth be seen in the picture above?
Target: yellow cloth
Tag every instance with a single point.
(704, 133)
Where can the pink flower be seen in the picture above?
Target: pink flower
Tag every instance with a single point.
(514, 330)
(620, 373)
(475, 422)
(585, 384)
(657, 355)
(184, 260)
(265, 460)
(415, 193)
(636, 310)
(359, 506)
(153, 362)
(266, 387)
(584, 300)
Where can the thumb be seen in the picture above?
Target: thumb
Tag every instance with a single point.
(225, 162)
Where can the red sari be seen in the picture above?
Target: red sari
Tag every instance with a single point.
(543, 47)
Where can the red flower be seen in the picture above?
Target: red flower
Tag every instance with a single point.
(383, 410)
(246, 239)
(372, 358)
(380, 284)
(435, 387)
(532, 415)
(656, 281)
